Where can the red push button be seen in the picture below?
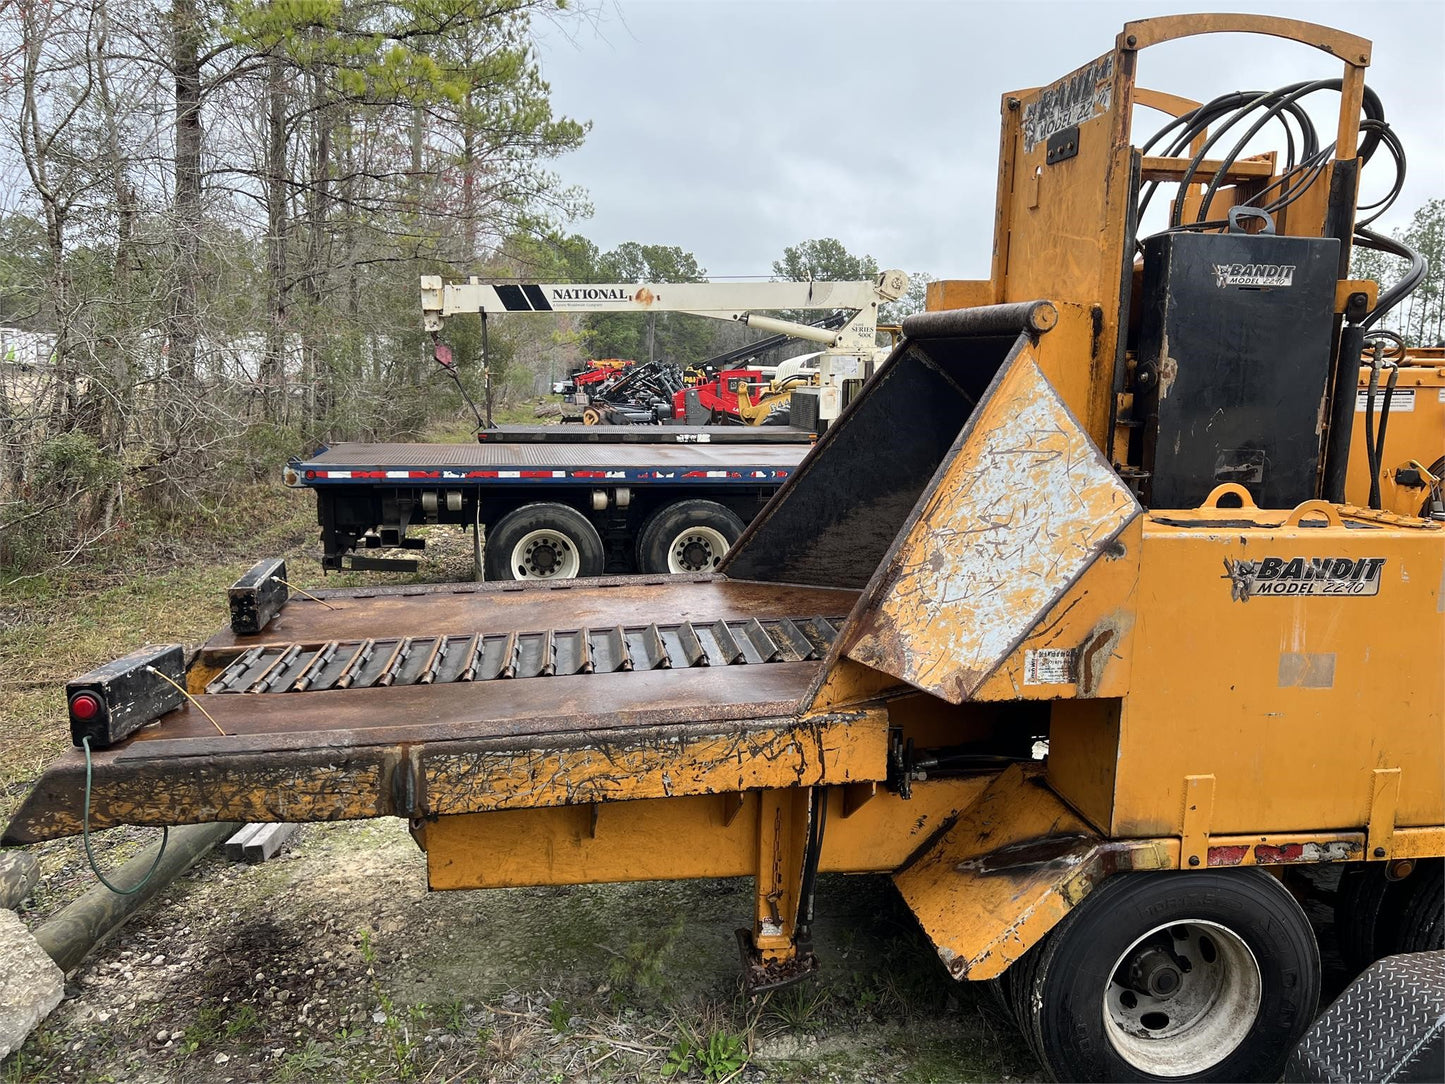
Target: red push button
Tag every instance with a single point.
(84, 706)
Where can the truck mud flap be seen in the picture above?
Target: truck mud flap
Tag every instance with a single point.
(991, 884)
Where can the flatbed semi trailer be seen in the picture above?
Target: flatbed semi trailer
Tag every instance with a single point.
(1039, 529)
(554, 502)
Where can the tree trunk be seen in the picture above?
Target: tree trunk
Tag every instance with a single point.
(119, 342)
(273, 364)
(186, 37)
(318, 223)
(35, 144)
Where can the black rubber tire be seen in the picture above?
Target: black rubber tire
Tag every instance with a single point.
(999, 995)
(670, 521)
(1422, 918)
(544, 515)
(1057, 989)
(1367, 914)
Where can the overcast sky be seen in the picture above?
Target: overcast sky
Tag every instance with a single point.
(736, 128)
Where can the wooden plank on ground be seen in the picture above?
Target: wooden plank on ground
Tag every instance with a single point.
(235, 846)
(269, 839)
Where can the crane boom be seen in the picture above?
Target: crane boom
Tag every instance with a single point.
(717, 300)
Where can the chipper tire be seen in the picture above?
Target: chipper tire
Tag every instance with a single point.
(688, 537)
(1367, 914)
(1230, 959)
(1422, 918)
(543, 541)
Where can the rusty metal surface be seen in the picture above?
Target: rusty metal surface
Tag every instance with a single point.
(525, 710)
(1023, 506)
(529, 454)
(499, 608)
(333, 776)
(482, 744)
(995, 881)
(442, 660)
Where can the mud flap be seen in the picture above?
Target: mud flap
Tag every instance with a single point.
(1011, 866)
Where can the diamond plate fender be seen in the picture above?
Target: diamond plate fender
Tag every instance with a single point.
(1389, 1024)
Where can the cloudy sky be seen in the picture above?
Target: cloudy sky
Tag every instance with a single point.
(736, 128)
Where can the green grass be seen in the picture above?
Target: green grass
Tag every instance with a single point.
(158, 587)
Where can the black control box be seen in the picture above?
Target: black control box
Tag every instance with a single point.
(119, 698)
(1233, 363)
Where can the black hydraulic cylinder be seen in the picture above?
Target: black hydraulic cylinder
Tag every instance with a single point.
(1010, 319)
(1342, 413)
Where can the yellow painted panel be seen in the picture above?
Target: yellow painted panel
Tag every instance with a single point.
(1083, 755)
(1416, 430)
(1008, 870)
(1085, 639)
(1290, 700)
(1059, 227)
(673, 838)
(958, 294)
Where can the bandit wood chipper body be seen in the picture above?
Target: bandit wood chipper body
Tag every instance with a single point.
(1091, 506)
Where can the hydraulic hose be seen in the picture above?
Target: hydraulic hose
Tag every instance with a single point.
(1419, 267)
(1380, 440)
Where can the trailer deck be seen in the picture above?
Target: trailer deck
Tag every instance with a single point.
(575, 691)
(647, 434)
(533, 462)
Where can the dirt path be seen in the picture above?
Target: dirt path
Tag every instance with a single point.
(333, 962)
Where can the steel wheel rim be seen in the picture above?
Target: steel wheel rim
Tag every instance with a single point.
(1198, 1023)
(545, 554)
(697, 549)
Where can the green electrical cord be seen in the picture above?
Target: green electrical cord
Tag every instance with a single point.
(90, 854)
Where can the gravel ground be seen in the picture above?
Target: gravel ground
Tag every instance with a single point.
(332, 961)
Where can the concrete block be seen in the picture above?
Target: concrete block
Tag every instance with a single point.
(30, 983)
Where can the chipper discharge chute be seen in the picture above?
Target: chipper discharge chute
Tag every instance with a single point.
(1063, 624)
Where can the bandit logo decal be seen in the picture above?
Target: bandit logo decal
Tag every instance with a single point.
(1303, 576)
(1254, 275)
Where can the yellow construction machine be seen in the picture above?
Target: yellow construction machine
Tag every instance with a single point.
(1064, 624)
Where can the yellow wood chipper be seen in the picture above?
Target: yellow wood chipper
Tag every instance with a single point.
(1065, 624)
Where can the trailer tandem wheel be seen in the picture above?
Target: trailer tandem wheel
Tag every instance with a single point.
(1422, 918)
(687, 537)
(1367, 913)
(543, 541)
(1211, 975)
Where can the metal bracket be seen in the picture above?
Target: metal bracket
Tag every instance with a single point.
(1062, 145)
(732, 803)
(1198, 812)
(760, 976)
(356, 563)
(1384, 797)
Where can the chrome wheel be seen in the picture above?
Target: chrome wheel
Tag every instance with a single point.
(697, 549)
(1182, 998)
(545, 554)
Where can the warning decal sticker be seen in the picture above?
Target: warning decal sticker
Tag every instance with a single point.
(1402, 400)
(1049, 666)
